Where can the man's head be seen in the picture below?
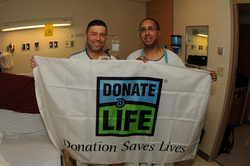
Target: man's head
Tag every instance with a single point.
(96, 23)
(95, 35)
(149, 32)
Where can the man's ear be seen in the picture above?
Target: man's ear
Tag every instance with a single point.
(85, 36)
(159, 33)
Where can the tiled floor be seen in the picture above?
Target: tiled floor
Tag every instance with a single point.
(198, 161)
(201, 162)
(240, 154)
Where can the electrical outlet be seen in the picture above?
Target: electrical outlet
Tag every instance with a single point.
(11, 48)
(27, 45)
(55, 44)
(220, 71)
(23, 47)
(69, 43)
(51, 44)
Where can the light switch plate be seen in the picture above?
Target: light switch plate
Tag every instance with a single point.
(220, 50)
(220, 71)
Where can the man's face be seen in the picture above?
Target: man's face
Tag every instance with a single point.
(149, 33)
(96, 38)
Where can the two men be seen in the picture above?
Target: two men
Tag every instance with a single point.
(96, 35)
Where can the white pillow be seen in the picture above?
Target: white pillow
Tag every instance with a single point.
(15, 123)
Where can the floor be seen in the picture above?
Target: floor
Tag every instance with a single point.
(198, 161)
(239, 156)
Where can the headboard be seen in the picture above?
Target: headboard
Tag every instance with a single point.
(17, 93)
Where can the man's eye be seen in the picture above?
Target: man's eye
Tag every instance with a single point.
(151, 28)
(143, 30)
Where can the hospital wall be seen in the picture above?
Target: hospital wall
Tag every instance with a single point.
(217, 15)
(122, 18)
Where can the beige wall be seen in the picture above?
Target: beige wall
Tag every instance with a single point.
(217, 15)
(122, 18)
(162, 11)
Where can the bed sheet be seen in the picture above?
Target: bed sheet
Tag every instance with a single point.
(30, 150)
(16, 123)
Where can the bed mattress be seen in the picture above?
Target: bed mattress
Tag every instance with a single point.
(30, 150)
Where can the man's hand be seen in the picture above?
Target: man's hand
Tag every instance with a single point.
(33, 62)
(142, 59)
(213, 75)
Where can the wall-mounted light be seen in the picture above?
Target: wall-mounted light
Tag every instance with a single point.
(40, 23)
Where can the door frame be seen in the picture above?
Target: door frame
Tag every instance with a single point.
(232, 76)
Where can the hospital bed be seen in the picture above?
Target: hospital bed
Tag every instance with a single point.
(24, 140)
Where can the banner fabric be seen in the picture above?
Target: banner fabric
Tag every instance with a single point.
(104, 112)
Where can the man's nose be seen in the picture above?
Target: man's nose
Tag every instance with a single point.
(146, 31)
(98, 37)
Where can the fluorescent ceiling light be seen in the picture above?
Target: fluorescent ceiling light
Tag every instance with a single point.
(199, 33)
(29, 24)
(202, 35)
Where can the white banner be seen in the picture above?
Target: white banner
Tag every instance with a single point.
(106, 112)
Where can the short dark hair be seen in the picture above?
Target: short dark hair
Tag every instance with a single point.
(156, 23)
(96, 23)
